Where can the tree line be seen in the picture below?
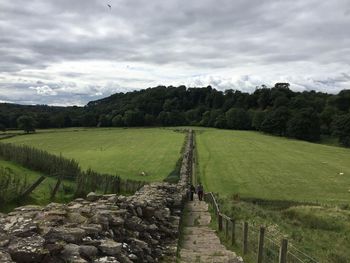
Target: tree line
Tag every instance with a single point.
(275, 110)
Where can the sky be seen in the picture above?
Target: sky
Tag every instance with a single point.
(64, 52)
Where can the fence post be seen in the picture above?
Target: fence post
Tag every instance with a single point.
(220, 221)
(233, 236)
(245, 238)
(261, 244)
(227, 227)
(283, 251)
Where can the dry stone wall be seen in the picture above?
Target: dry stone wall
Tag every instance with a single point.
(101, 228)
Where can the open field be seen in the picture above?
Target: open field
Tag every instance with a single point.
(41, 195)
(267, 167)
(124, 152)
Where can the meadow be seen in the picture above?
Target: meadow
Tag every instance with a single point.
(254, 165)
(123, 152)
(296, 189)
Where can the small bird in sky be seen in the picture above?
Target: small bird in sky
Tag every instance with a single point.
(110, 7)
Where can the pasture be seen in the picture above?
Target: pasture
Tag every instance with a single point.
(255, 165)
(123, 152)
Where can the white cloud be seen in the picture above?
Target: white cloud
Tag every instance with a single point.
(44, 90)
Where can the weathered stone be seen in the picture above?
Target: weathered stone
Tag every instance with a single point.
(71, 253)
(139, 211)
(116, 221)
(28, 249)
(92, 197)
(71, 235)
(54, 248)
(5, 257)
(76, 218)
(4, 240)
(124, 259)
(88, 252)
(110, 247)
(106, 260)
(133, 257)
(92, 229)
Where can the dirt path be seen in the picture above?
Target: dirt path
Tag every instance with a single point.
(201, 244)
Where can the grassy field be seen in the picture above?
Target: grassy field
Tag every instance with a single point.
(124, 152)
(41, 195)
(286, 173)
(261, 166)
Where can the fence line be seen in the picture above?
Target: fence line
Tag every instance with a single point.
(256, 242)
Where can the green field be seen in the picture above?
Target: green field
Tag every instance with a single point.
(124, 152)
(275, 168)
(41, 195)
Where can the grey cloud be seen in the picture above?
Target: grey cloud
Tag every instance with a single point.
(189, 36)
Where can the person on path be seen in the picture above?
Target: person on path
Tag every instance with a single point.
(200, 192)
(192, 191)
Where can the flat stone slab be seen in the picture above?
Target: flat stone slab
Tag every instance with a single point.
(200, 242)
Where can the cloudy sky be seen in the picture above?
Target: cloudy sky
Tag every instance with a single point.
(65, 52)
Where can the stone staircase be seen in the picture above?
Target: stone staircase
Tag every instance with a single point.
(201, 244)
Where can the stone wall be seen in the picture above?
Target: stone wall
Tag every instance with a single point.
(101, 228)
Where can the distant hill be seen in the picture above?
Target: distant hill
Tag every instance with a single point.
(277, 110)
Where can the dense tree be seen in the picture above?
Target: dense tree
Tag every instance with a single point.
(133, 118)
(238, 119)
(26, 123)
(275, 121)
(342, 129)
(304, 125)
(117, 121)
(258, 119)
(220, 121)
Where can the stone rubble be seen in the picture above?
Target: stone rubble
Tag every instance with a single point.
(101, 228)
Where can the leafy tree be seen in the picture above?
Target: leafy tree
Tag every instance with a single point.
(103, 121)
(304, 125)
(26, 123)
(133, 118)
(342, 129)
(238, 119)
(280, 101)
(258, 119)
(117, 121)
(326, 118)
(220, 121)
(275, 121)
(342, 100)
(89, 120)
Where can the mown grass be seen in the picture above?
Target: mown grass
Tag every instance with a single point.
(41, 195)
(294, 188)
(124, 152)
(254, 165)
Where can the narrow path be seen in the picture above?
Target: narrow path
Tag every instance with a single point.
(200, 242)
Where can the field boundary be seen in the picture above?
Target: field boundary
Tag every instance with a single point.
(256, 244)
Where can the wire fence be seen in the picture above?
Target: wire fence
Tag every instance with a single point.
(257, 244)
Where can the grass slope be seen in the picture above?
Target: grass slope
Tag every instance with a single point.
(41, 195)
(125, 152)
(268, 167)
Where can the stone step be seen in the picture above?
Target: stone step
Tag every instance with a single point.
(200, 242)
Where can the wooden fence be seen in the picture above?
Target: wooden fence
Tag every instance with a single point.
(256, 242)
